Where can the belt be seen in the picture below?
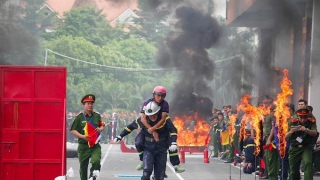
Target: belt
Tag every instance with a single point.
(301, 145)
(152, 139)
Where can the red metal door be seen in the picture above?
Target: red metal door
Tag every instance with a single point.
(32, 124)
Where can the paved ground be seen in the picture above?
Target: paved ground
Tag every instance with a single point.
(117, 165)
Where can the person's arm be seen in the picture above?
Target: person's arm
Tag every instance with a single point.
(163, 118)
(78, 135)
(311, 132)
(270, 136)
(127, 130)
(144, 122)
(100, 126)
(292, 130)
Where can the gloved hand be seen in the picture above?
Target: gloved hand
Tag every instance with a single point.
(117, 139)
(173, 147)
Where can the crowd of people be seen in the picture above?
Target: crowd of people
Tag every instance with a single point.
(156, 135)
(301, 150)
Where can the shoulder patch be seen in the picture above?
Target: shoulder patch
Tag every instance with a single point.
(311, 120)
(78, 114)
(96, 112)
(294, 120)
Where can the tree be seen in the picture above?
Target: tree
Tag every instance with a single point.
(151, 23)
(89, 23)
(144, 52)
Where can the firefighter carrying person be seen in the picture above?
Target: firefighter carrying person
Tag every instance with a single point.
(159, 93)
(154, 153)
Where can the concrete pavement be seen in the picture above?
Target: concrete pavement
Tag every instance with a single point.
(117, 165)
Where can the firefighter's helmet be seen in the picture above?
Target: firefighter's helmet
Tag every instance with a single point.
(160, 90)
(151, 108)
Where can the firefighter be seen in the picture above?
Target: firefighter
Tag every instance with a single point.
(86, 150)
(159, 93)
(301, 131)
(154, 152)
(249, 165)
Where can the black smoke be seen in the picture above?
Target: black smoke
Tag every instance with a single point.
(186, 50)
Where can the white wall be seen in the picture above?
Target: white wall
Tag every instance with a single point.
(314, 83)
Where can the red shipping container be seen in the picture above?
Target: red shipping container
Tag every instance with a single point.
(32, 122)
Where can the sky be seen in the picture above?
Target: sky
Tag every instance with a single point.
(220, 8)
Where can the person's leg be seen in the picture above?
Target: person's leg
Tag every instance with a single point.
(307, 161)
(215, 145)
(148, 162)
(160, 165)
(139, 143)
(272, 162)
(95, 159)
(284, 166)
(84, 156)
(295, 154)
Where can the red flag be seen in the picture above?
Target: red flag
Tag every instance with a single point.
(94, 137)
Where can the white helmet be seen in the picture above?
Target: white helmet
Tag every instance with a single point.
(151, 108)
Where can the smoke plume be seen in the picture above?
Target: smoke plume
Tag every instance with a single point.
(186, 50)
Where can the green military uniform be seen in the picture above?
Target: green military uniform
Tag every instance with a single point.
(234, 145)
(301, 148)
(84, 151)
(270, 157)
(215, 140)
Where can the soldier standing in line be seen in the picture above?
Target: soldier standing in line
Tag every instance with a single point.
(300, 133)
(212, 132)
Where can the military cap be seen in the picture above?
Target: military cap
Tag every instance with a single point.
(88, 98)
(303, 112)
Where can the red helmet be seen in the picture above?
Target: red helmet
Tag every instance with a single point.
(160, 90)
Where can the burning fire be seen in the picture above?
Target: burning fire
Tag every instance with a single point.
(282, 112)
(255, 115)
(232, 129)
(192, 130)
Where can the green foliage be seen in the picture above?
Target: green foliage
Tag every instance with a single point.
(144, 52)
(151, 23)
(89, 23)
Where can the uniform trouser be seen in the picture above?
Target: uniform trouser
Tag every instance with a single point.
(297, 154)
(154, 158)
(249, 170)
(215, 144)
(173, 156)
(284, 166)
(84, 154)
(272, 163)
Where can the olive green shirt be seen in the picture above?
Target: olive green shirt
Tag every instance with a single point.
(267, 125)
(80, 122)
(306, 138)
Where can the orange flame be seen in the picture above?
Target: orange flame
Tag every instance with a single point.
(190, 134)
(255, 115)
(232, 129)
(282, 112)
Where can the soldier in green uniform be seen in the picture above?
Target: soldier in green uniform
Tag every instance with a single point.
(234, 145)
(270, 157)
(86, 151)
(301, 131)
(213, 133)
